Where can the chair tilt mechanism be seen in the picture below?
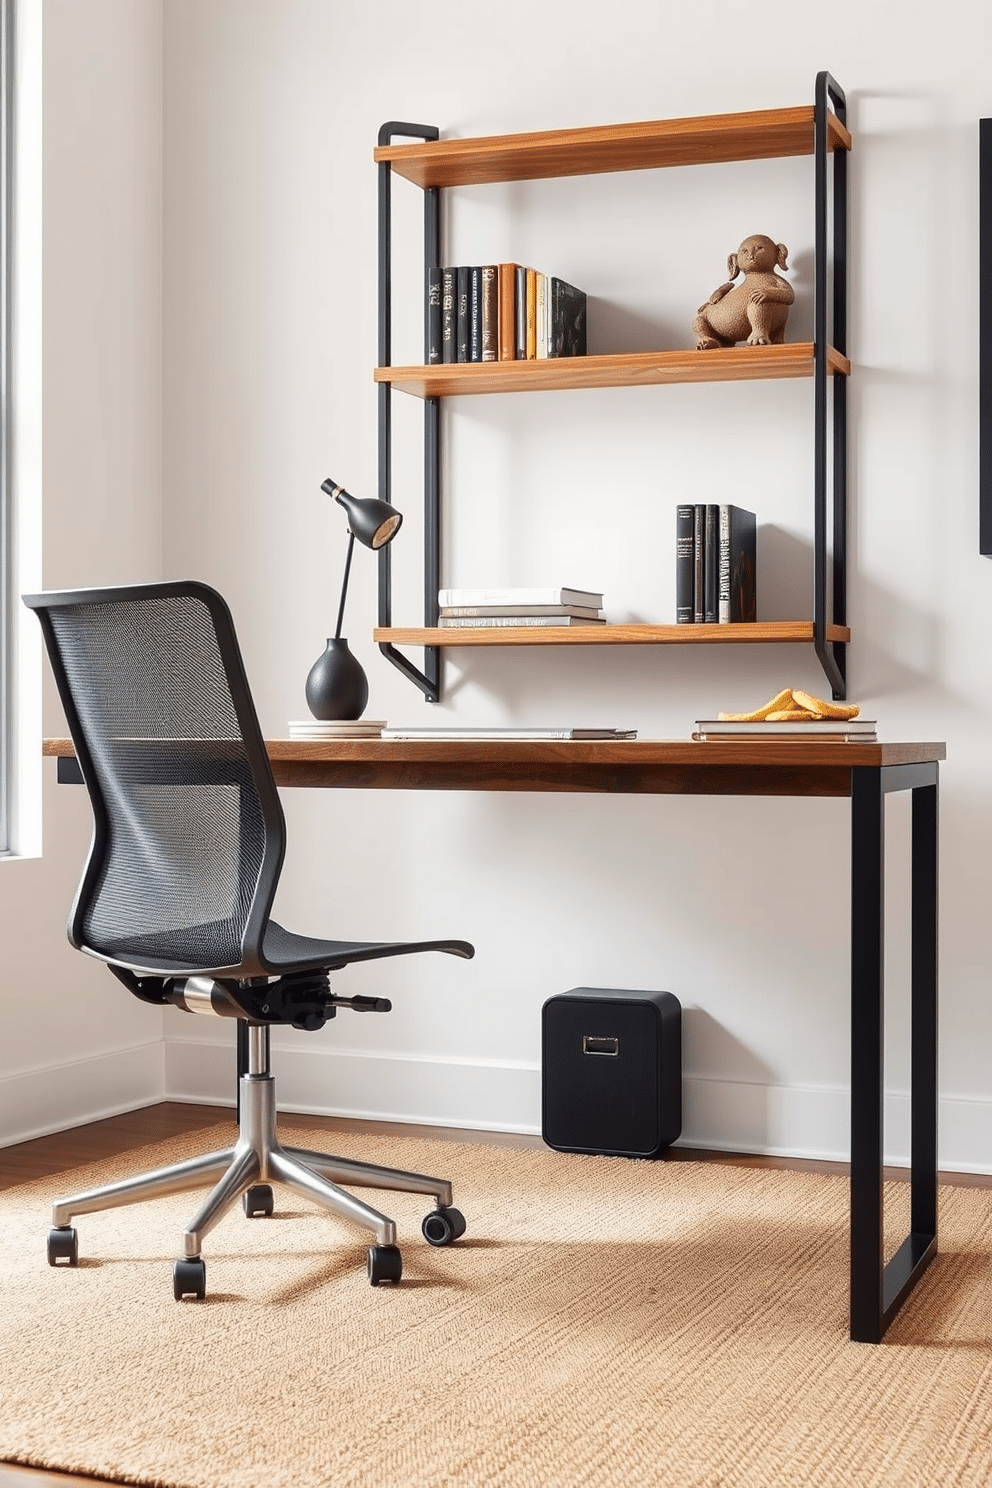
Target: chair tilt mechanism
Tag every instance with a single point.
(176, 897)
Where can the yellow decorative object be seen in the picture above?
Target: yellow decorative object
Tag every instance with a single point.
(790, 706)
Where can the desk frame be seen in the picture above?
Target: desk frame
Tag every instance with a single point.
(866, 773)
(877, 1290)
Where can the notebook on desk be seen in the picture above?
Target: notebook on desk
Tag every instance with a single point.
(482, 732)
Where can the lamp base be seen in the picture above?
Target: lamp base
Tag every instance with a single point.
(337, 687)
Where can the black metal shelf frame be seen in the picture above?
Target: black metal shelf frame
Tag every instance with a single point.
(829, 464)
(829, 399)
(428, 680)
(984, 339)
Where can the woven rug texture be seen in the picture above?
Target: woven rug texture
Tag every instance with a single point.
(602, 1322)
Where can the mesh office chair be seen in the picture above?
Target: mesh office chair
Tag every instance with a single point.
(188, 844)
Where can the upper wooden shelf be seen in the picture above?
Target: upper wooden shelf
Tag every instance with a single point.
(760, 135)
(637, 369)
(767, 631)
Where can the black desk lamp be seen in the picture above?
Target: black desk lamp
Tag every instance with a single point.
(337, 687)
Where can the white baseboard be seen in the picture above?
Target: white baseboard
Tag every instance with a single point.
(485, 1095)
(815, 1122)
(53, 1097)
(781, 1121)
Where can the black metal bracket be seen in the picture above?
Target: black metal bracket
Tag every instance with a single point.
(428, 680)
(879, 1288)
(984, 339)
(830, 274)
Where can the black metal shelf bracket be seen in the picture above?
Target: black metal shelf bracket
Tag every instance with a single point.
(984, 340)
(428, 680)
(830, 457)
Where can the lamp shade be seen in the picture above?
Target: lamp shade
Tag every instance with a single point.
(373, 522)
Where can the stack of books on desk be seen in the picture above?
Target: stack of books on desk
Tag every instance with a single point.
(486, 607)
(319, 728)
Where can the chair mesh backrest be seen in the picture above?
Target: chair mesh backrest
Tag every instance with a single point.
(185, 841)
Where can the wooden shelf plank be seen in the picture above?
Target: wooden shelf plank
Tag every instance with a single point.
(764, 632)
(637, 369)
(756, 135)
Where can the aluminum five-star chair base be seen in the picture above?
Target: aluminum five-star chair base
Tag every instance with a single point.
(246, 1171)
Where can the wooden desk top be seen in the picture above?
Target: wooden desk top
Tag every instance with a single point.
(756, 767)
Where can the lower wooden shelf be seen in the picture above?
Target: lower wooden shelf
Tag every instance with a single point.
(764, 632)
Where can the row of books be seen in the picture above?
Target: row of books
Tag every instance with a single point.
(715, 565)
(501, 313)
(550, 606)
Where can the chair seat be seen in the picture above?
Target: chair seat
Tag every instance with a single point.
(285, 952)
(167, 953)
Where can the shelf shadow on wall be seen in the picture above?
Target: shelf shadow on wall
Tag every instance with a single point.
(620, 330)
(785, 573)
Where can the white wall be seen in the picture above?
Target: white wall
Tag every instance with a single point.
(739, 907)
(91, 77)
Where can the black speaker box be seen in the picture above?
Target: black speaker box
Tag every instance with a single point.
(611, 1071)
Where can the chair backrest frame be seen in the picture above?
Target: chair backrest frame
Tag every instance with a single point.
(273, 822)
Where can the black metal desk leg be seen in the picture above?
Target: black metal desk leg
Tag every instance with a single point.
(923, 1215)
(867, 1007)
(878, 1291)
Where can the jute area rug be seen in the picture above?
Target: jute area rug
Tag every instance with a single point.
(602, 1322)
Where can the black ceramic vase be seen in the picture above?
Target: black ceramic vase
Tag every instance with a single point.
(337, 687)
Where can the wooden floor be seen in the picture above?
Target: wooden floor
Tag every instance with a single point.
(118, 1134)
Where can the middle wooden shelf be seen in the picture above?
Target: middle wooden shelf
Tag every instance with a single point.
(631, 369)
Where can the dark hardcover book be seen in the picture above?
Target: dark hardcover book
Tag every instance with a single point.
(711, 567)
(738, 566)
(448, 343)
(698, 561)
(685, 549)
(432, 328)
(567, 320)
(461, 306)
(490, 312)
(520, 314)
(475, 314)
(507, 311)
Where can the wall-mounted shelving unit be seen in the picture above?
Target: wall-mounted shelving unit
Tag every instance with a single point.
(434, 164)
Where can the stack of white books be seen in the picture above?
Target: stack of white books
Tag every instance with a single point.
(320, 728)
(485, 607)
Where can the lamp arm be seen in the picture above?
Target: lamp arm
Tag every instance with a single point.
(344, 585)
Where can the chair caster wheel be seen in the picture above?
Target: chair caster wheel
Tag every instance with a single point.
(385, 1264)
(443, 1226)
(258, 1200)
(63, 1246)
(189, 1278)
